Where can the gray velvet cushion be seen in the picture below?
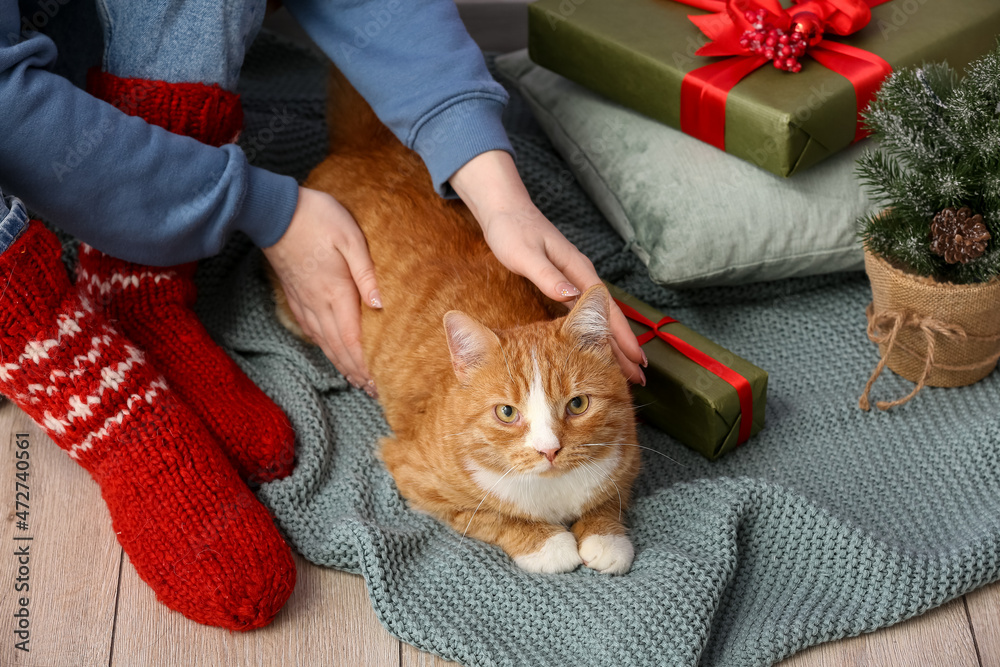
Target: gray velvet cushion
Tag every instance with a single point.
(693, 214)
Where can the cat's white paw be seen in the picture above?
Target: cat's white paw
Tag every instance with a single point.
(608, 554)
(558, 554)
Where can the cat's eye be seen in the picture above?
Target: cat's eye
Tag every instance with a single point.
(506, 413)
(578, 404)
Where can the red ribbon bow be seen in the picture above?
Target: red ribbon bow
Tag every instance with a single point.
(704, 91)
(738, 382)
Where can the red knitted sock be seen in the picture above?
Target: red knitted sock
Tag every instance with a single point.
(153, 305)
(192, 529)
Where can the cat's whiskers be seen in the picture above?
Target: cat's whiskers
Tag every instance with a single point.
(629, 444)
(610, 479)
(522, 482)
(521, 495)
(488, 492)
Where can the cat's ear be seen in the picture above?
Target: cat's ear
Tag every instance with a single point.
(590, 319)
(469, 342)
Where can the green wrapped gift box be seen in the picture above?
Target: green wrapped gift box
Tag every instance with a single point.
(637, 53)
(684, 397)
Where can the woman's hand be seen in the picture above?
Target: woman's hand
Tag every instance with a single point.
(323, 264)
(528, 244)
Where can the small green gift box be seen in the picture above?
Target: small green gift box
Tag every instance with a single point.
(696, 390)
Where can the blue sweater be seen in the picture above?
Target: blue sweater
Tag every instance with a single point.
(143, 194)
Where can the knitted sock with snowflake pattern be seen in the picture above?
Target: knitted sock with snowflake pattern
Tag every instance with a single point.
(152, 305)
(191, 528)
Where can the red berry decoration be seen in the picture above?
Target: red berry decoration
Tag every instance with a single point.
(809, 26)
(784, 48)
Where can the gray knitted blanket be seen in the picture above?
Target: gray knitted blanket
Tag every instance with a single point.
(831, 522)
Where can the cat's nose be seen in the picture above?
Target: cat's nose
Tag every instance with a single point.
(550, 454)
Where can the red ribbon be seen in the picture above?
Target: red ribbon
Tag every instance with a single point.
(704, 90)
(738, 382)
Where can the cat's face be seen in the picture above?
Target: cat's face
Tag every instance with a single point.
(546, 400)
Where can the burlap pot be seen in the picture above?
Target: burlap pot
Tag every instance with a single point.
(931, 333)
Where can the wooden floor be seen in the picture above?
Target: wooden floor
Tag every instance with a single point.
(87, 606)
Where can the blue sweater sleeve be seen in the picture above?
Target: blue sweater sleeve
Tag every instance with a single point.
(130, 189)
(425, 78)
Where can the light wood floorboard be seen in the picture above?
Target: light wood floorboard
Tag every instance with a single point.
(73, 557)
(940, 637)
(328, 620)
(984, 615)
(88, 607)
(412, 657)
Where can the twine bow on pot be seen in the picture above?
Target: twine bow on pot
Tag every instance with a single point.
(884, 328)
(932, 333)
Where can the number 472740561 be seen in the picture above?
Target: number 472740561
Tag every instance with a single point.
(22, 492)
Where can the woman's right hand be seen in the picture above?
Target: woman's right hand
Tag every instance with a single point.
(324, 266)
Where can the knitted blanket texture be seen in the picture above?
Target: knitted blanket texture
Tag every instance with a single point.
(831, 522)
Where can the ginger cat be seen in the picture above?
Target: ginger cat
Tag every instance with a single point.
(510, 426)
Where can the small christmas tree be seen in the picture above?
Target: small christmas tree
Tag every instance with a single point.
(937, 171)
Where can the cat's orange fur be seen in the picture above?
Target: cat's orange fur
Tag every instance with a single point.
(442, 374)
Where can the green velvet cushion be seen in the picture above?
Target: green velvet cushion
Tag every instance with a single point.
(693, 214)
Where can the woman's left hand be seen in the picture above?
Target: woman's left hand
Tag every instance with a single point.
(524, 241)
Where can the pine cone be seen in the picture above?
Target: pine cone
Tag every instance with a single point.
(958, 235)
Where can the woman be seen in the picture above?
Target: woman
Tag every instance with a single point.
(142, 169)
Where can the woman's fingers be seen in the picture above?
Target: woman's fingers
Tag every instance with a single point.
(323, 263)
